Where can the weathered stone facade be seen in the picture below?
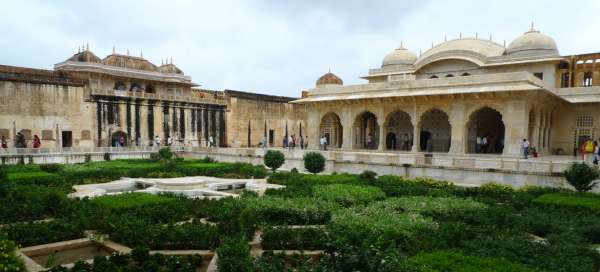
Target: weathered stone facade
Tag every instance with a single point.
(458, 91)
(123, 100)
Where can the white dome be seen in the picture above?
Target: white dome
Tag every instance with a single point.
(400, 56)
(532, 42)
(470, 49)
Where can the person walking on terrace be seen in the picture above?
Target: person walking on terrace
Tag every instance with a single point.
(525, 148)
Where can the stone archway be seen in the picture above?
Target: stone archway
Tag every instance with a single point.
(118, 139)
(366, 131)
(331, 129)
(399, 130)
(435, 131)
(485, 123)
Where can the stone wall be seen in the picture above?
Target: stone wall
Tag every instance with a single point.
(251, 116)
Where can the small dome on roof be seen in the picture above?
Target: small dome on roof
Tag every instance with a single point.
(127, 61)
(170, 69)
(85, 56)
(329, 79)
(533, 42)
(400, 56)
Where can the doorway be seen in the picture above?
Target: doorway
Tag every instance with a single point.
(67, 139)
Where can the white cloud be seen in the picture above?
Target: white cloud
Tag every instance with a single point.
(275, 47)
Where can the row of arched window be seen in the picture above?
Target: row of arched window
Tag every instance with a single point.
(120, 86)
(450, 75)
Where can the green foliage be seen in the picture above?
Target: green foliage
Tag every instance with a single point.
(456, 262)
(165, 153)
(286, 211)
(107, 156)
(313, 238)
(3, 174)
(314, 162)
(51, 167)
(132, 200)
(30, 234)
(234, 256)
(431, 205)
(581, 176)
(586, 201)
(348, 195)
(9, 261)
(36, 178)
(274, 159)
(368, 176)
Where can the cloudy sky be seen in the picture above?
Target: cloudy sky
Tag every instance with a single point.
(276, 47)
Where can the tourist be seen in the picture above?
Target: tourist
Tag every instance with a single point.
(588, 150)
(484, 144)
(369, 140)
(169, 141)
(121, 141)
(478, 145)
(429, 144)
(211, 141)
(36, 141)
(324, 143)
(306, 143)
(4, 143)
(20, 141)
(596, 153)
(157, 141)
(405, 142)
(525, 148)
(284, 143)
(290, 141)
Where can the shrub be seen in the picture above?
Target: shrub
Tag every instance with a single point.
(30, 234)
(87, 158)
(431, 205)
(9, 261)
(284, 238)
(368, 176)
(36, 178)
(581, 176)
(234, 256)
(456, 262)
(586, 201)
(286, 211)
(165, 153)
(136, 233)
(132, 200)
(3, 174)
(274, 159)
(154, 157)
(51, 167)
(314, 162)
(348, 195)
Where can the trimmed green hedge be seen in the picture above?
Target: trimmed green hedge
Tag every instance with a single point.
(284, 211)
(295, 238)
(133, 200)
(36, 178)
(427, 205)
(348, 195)
(584, 201)
(456, 262)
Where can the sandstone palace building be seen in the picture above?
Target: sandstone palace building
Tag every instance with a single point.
(460, 90)
(441, 101)
(91, 102)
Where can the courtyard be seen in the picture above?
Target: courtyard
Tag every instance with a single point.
(300, 222)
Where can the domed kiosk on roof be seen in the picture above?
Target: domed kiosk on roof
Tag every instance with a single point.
(399, 57)
(532, 43)
(170, 69)
(85, 56)
(329, 79)
(470, 49)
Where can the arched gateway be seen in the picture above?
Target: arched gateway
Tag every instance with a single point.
(487, 125)
(434, 131)
(366, 131)
(331, 129)
(399, 131)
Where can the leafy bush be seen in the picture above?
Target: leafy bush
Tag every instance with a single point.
(107, 156)
(132, 200)
(431, 206)
(234, 256)
(22, 203)
(165, 153)
(314, 162)
(51, 167)
(36, 178)
(579, 201)
(285, 211)
(3, 174)
(368, 176)
(348, 195)
(456, 262)
(274, 159)
(311, 238)
(581, 176)
(30, 234)
(9, 261)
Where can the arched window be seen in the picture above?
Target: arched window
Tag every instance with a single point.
(135, 88)
(434, 76)
(465, 74)
(150, 89)
(449, 75)
(120, 86)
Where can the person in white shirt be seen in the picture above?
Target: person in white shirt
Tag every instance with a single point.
(157, 141)
(478, 145)
(525, 148)
(169, 141)
(484, 144)
(211, 141)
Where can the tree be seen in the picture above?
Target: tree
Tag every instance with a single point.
(314, 162)
(581, 176)
(274, 159)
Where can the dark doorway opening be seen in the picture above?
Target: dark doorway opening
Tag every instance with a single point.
(390, 141)
(424, 138)
(67, 139)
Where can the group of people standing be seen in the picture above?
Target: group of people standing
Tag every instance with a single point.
(21, 142)
(590, 151)
(169, 141)
(487, 144)
(291, 141)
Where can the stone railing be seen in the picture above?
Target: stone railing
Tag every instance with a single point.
(489, 163)
(158, 97)
(72, 150)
